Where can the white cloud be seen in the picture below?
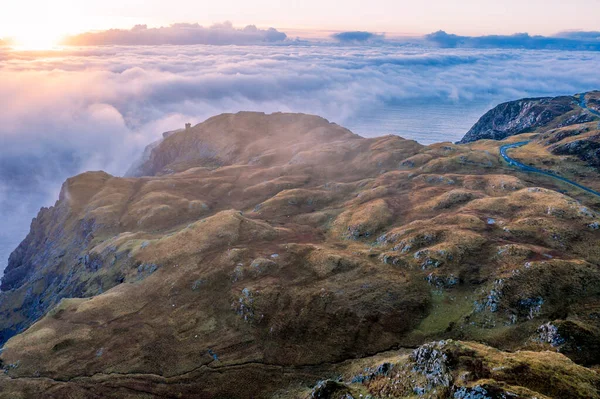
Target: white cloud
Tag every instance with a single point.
(96, 107)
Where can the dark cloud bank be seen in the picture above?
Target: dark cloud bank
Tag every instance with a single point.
(226, 34)
(179, 34)
(576, 41)
(584, 41)
(358, 37)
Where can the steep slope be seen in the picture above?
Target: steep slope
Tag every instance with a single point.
(527, 115)
(272, 249)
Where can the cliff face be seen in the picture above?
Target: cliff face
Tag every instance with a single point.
(527, 115)
(46, 266)
(279, 250)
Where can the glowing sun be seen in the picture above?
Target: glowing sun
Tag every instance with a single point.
(36, 42)
(40, 30)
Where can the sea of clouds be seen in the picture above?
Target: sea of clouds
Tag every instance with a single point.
(96, 107)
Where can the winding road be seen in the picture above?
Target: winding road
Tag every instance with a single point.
(513, 162)
(583, 104)
(531, 169)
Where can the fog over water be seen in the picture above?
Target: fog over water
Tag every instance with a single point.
(91, 108)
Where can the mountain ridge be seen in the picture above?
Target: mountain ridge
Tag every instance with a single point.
(527, 115)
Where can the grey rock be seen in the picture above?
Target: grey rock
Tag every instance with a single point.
(515, 117)
(330, 389)
(431, 361)
(548, 333)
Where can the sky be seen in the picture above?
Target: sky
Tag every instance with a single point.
(41, 21)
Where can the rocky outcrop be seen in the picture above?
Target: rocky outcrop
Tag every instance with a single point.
(587, 150)
(463, 370)
(527, 115)
(574, 338)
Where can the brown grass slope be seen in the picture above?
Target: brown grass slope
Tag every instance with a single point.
(270, 250)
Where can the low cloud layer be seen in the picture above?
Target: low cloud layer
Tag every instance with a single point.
(584, 41)
(179, 34)
(580, 35)
(576, 41)
(227, 34)
(92, 108)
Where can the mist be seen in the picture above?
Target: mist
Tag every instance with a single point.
(96, 107)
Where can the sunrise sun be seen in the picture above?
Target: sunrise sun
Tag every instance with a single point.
(42, 30)
(34, 41)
